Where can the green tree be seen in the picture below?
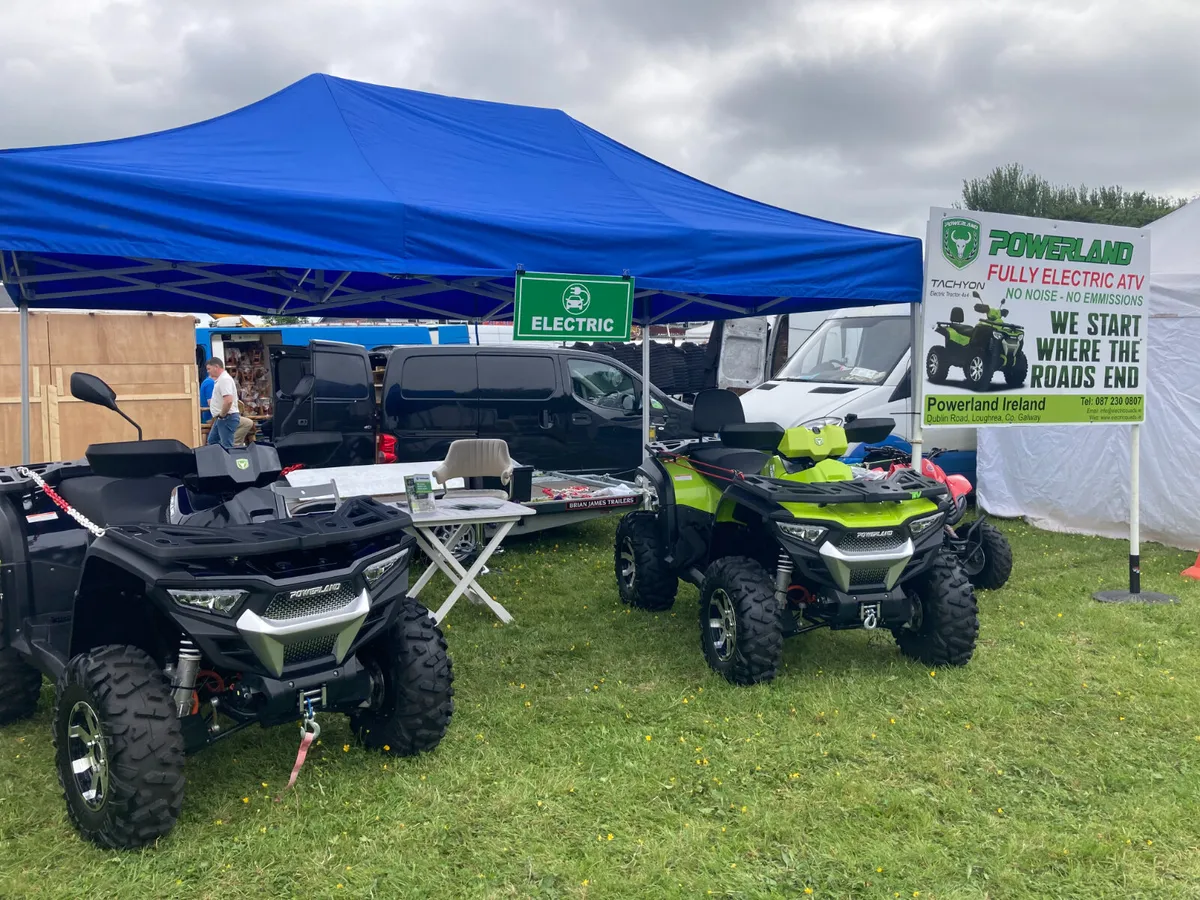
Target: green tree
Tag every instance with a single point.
(283, 320)
(1011, 189)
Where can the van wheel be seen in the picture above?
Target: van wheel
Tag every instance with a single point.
(937, 366)
(739, 621)
(643, 579)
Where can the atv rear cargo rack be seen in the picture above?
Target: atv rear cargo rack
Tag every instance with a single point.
(904, 485)
(357, 519)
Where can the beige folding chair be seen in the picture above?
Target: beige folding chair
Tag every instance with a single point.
(475, 459)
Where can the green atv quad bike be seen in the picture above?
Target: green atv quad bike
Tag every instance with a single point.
(782, 538)
(979, 350)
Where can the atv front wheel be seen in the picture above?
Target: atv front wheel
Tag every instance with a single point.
(988, 558)
(937, 365)
(945, 618)
(1014, 375)
(643, 579)
(739, 621)
(20, 687)
(118, 747)
(413, 698)
(979, 372)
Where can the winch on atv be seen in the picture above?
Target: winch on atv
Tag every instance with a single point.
(782, 538)
(176, 596)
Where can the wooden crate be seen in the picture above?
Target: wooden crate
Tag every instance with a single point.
(149, 360)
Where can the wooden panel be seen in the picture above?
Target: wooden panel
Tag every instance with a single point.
(96, 339)
(82, 424)
(10, 432)
(10, 338)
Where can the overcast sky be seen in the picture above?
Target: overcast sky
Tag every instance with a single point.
(862, 111)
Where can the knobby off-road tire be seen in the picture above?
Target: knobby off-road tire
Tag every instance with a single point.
(997, 559)
(739, 621)
(1015, 375)
(937, 365)
(414, 702)
(979, 372)
(113, 706)
(20, 687)
(947, 623)
(643, 579)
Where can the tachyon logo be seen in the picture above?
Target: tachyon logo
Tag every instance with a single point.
(243, 463)
(576, 299)
(960, 241)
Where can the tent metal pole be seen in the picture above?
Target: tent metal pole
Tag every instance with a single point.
(915, 378)
(646, 381)
(25, 453)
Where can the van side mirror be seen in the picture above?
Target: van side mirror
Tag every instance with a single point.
(91, 389)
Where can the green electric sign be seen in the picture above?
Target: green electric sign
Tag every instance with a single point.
(553, 307)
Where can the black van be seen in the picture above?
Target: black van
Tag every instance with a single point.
(559, 409)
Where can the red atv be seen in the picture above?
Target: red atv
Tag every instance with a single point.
(982, 550)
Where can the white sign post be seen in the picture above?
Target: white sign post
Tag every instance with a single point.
(1037, 322)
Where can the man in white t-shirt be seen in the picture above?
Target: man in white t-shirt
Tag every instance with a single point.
(223, 405)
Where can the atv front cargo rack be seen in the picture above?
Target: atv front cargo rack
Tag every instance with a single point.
(904, 485)
(357, 519)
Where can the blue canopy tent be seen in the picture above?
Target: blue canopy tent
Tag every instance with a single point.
(338, 197)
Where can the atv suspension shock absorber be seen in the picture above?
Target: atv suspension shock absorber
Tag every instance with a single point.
(783, 579)
(185, 677)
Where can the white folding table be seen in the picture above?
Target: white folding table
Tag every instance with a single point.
(459, 514)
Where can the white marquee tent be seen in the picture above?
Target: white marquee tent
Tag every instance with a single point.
(1076, 478)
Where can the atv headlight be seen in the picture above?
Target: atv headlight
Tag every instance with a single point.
(920, 526)
(375, 571)
(218, 600)
(808, 533)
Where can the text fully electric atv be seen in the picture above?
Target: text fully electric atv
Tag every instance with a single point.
(781, 538)
(176, 596)
(992, 345)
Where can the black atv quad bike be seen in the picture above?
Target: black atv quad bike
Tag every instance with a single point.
(176, 596)
(782, 538)
(980, 350)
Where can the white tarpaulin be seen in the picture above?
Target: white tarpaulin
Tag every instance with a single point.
(1076, 478)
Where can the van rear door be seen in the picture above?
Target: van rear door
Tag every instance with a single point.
(342, 401)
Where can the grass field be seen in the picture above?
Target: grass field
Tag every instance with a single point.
(592, 754)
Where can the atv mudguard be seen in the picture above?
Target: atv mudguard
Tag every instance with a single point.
(14, 566)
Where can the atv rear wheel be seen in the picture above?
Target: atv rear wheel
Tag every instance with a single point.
(946, 617)
(413, 700)
(643, 579)
(20, 687)
(739, 621)
(937, 365)
(1015, 375)
(118, 747)
(979, 372)
(988, 558)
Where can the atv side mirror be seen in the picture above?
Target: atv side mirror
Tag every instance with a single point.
(869, 431)
(982, 308)
(975, 294)
(303, 389)
(91, 389)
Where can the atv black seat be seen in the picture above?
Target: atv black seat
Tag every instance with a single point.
(715, 410)
(748, 462)
(120, 501)
(141, 459)
(956, 316)
(742, 445)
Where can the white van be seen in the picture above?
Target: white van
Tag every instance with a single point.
(856, 361)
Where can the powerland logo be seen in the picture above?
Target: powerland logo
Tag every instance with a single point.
(305, 593)
(1059, 248)
(960, 241)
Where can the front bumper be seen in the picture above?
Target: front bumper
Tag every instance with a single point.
(862, 561)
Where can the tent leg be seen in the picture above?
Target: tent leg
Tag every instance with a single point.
(1134, 594)
(915, 378)
(25, 452)
(646, 386)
